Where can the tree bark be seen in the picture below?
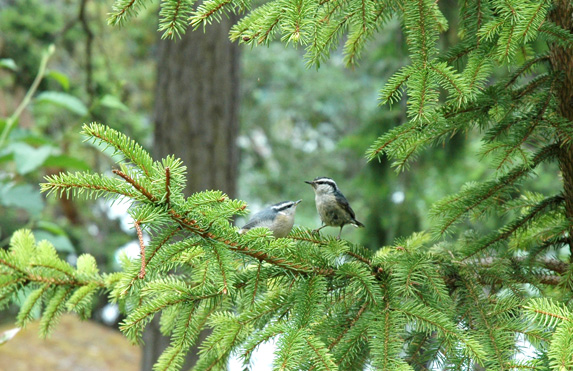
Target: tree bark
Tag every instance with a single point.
(196, 119)
(562, 62)
(196, 106)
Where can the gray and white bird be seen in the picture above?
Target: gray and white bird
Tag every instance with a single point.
(333, 208)
(279, 218)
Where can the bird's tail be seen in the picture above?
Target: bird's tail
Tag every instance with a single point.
(357, 224)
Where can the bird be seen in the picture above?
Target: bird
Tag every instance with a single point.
(279, 218)
(333, 208)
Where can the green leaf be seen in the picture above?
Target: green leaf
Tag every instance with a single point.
(8, 63)
(2, 124)
(52, 228)
(67, 162)
(111, 101)
(61, 242)
(22, 196)
(64, 100)
(60, 78)
(29, 158)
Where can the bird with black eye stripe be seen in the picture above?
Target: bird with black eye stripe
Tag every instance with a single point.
(279, 218)
(333, 208)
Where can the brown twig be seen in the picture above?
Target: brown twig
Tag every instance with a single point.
(167, 186)
(141, 248)
(135, 185)
(359, 257)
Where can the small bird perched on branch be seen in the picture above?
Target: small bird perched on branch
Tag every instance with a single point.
(332, 206)
(279, 218)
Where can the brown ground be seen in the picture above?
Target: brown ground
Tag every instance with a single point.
(73, 345)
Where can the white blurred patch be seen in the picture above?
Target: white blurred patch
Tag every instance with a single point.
(72, 259)
(93, 229)
(261, 360)
(117, 209)
(398, 197)
(527, 352)
(110, 314)
(130, 249)
(260, 143)
(8, 335)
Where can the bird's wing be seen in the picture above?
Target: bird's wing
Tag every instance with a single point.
(259, 219)
(343, 202)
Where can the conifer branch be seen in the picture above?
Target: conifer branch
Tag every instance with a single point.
(546, 262)
(483, 317)
(122, 144)
(30, 277)
(173, 17)
(557, 34)
(495, 187)
(458, 52)
(54, 268)
(358, 257)
(164, 241)
(192, 226)
(549, 314)
(388, 139)
(222, 270)
(350, 325)
(256, 282)
(80, 183)
(11, 266)
(122, 10)
(511, 228)
(526, 67)
(548, 279)
(206, 11)
(321, 355)
(387, 333)
(536, 83)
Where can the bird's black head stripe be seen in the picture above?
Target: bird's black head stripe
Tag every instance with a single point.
(325, 180)
(283, 205)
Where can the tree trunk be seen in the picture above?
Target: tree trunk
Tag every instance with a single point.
(562, 61)
(196, 106)
(196, 119)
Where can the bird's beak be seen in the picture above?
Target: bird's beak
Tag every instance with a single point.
(297, 202)
(308, 182)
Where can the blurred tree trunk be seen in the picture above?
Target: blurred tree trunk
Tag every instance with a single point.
(196, 119)
(562, 61)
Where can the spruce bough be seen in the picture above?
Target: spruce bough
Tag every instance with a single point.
(329, 304)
